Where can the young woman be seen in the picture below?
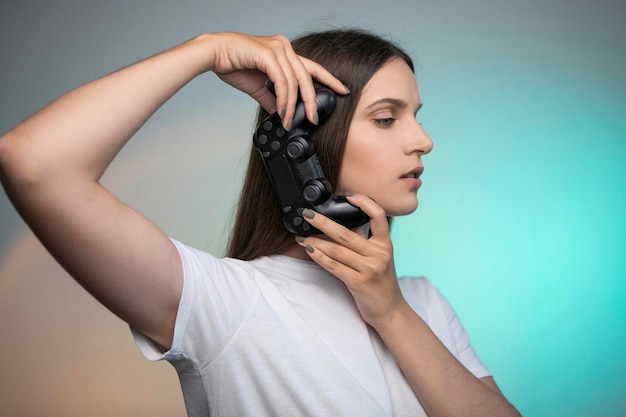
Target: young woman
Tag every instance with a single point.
(285, 325)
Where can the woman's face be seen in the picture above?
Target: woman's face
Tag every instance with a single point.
(382, 158)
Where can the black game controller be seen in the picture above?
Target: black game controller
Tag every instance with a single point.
(295, 172)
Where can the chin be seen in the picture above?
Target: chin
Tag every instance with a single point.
(402, 210)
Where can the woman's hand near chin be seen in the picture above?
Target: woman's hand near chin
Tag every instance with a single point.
(365, 264)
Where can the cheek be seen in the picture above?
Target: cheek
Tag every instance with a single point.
(348, 181)
(355, 169)
(360, 176)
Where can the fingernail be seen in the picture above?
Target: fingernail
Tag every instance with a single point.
(299, 239)
(289, 125)
(308, 213)
(282, 112)
(309, 248)
(315, 119)
(347, 89)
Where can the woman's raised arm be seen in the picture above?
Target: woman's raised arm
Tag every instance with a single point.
(50, 166)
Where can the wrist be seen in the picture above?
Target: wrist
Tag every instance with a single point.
(201, 49)
(395, 319)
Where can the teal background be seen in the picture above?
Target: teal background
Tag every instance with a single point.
(522, 218)
(521, 221)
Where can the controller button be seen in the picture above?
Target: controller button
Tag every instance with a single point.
(311, 193)
(306, 227)
(297, 221)
(262, 139)
(280, 132)
(299, 211)
(266, 154)
(275, 145)
(268, 125)
(286, 209)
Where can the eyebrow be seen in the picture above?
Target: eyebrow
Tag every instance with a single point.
(394, 102)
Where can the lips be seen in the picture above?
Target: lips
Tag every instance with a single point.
(412, 178)
(414, 173)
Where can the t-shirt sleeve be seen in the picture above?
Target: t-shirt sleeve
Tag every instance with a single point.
(216, 297)
(432, 306)
(466, 352)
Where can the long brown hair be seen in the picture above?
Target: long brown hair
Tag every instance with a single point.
(351, 55)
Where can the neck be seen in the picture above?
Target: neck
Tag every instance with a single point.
(297, 251)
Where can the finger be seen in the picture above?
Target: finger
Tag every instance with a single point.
(307, 91)
(332, 250)
(339, 268)
(321, 74)
(305, 86)
(272, 62)
(263, 95)
(337, 233)
(305, 71)
(379, 225)
(292, 77)
(267, 100)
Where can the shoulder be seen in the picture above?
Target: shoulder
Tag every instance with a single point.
(208, 278)
(426, 299)
(418, 289)
(199, 261)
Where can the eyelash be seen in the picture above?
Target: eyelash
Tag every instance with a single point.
(386, 122)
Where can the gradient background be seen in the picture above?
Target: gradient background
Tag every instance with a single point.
(522, 217)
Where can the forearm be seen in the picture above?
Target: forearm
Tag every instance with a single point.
(442, 384)
(78, 134)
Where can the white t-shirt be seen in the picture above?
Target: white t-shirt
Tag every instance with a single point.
(279, 336)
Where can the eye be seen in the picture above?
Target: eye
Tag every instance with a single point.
(386, 122)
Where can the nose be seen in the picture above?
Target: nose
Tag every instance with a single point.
(418, 141)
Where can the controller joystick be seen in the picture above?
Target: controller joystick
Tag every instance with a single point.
(294, 170)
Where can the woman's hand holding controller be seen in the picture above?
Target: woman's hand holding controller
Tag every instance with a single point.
(245, 62)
